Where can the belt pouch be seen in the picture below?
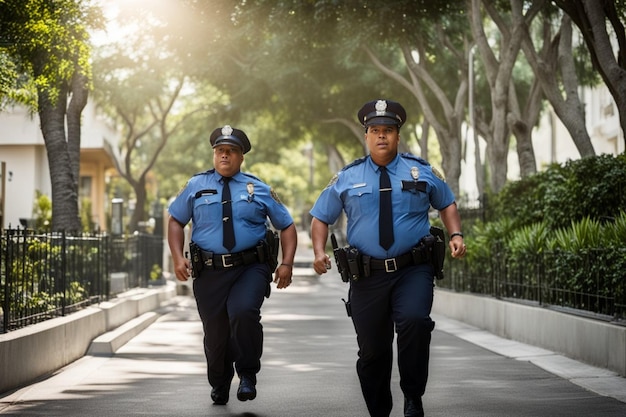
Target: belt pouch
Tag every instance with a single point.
(353, 263)
(262, 252)
(249, 257)
(418, 254)
(207, 258)
(365, 261)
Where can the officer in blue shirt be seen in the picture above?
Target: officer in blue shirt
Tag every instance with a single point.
(386, 197)
(229, 210)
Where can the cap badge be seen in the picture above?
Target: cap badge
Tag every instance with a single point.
(227, 130)
(415, 173)
(381, 107)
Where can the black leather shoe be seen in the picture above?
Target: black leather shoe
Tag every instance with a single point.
(219, 395)
(413, 408)
(247, 389)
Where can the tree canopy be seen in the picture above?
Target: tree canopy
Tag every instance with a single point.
(47, 42)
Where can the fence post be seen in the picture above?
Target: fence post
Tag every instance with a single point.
(63, 273)
(7, 271)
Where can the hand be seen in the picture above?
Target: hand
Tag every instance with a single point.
(282, 276)
(321, 263)
(457, 247)
(182, 269)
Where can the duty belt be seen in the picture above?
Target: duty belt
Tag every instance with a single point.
(399, 262)
(229, 260)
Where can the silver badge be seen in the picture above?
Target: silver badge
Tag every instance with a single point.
(227, 130)
(381, 107)
(415, 173)
(250, 188)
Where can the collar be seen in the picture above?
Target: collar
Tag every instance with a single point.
(391, 166)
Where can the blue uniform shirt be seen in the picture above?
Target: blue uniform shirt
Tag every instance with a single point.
(355, 190)
(252, 202)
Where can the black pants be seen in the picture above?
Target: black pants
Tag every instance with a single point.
(229, 302)
(379, 302)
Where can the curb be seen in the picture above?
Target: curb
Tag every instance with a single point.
(108, 343)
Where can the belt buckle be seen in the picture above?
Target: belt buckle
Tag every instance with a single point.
(224, 263)
(390, 265)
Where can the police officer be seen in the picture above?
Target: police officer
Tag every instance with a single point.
(386, 219)
(229, 211)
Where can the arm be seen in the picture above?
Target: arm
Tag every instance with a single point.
(319, 236)
(288, 243)
(452, 220)
(176, 241)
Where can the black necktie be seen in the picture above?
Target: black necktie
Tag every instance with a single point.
(227, 216)
(385, 219)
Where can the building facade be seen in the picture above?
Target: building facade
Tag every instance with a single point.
(26, 170)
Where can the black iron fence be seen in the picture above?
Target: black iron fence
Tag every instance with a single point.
(589, 283)
(46, 275)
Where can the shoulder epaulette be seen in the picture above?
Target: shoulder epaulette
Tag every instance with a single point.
(415, 158)
(251, 176)
(355, 163)
(210, 171)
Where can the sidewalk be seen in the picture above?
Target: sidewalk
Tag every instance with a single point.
(308, 369)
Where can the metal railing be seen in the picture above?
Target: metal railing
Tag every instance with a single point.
(47, 275)
(587, 283)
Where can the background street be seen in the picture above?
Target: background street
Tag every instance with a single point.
(308, 369)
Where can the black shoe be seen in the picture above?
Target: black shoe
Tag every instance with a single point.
(413, 408)
(247, 389)
(219, 394)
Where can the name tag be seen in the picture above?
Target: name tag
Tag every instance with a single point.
(414, 185)
(205, 192)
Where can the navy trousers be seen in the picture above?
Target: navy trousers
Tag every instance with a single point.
(229, 303)
(380, 303)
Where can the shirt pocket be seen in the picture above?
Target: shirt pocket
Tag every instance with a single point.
(359, 200)
(250, 211)
(414, 201)
(207, 209)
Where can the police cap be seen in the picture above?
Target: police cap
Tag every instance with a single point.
(230, 136)
(382, 112)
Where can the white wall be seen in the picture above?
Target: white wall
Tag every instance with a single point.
(23, 150)
(27, 171)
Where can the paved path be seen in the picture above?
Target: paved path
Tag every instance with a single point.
(308, 369)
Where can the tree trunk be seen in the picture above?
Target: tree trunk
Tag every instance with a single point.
(499, 72)
(593, 17)
(555, 62)
(80, 93)
(422, 141)
(141, 194)
(521, 124)
(64, 192)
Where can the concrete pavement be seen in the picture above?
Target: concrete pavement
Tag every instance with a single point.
(308, 370)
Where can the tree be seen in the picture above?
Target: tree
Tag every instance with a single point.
(48, 42)
(341, 55)
(554, 66)
(148, 94)
(595, 18)
(499, 62)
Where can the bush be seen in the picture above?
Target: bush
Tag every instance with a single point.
(558, 237)
(592, 187)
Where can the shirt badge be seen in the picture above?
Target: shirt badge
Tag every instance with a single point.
(438, 174)
(250, 188)
(275, 196)
(332, 181)
(415, 173)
